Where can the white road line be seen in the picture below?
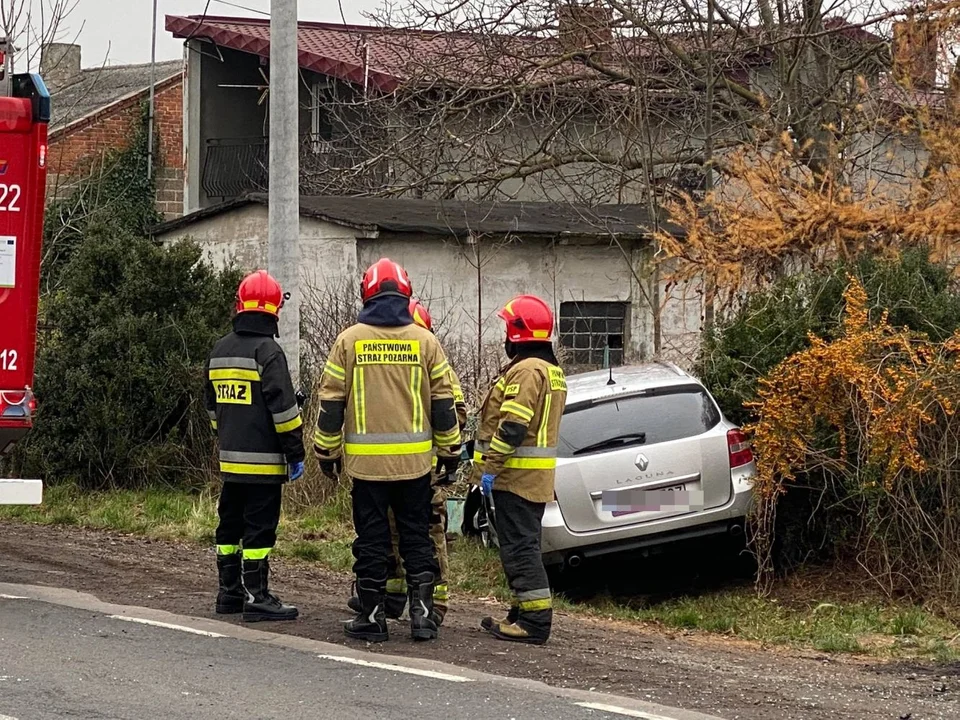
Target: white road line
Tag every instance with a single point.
(11, 597)
(168, 626)
(622, 711)
(396, 668)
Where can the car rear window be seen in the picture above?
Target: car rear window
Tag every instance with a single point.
(660, 415)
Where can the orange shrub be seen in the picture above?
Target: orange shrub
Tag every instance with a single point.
(874, 411)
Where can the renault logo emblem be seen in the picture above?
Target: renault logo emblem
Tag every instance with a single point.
(642, 462)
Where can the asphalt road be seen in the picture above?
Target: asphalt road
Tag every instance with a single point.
(67, 655)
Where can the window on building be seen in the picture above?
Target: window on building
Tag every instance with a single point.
(588, 328)
(316, 128)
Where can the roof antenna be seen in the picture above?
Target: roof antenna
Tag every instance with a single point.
(606, 361)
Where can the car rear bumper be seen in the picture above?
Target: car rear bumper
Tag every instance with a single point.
(559, 543)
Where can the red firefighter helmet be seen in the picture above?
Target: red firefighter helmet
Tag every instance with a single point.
(420, 315)
(260, 292)
(385, 277)
(528, 318)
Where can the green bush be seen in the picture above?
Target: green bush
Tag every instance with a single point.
(776, 322)
(119, 377)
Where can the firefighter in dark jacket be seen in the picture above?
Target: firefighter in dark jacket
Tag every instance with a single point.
(386, 402)
(516, 460)
(253, 407)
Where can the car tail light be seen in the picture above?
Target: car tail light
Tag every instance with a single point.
(741, 451)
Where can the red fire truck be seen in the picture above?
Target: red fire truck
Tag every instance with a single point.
(24, 115)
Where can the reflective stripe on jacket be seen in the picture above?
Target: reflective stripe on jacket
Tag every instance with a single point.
(252, 405)
(520, 429)
(386, 400)
(459, 400)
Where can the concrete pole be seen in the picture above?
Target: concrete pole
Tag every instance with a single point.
(284, 207)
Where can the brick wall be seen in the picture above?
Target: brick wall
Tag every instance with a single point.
(73, 150)
(169, 126)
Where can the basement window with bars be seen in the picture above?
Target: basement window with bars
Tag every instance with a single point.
(587, 328)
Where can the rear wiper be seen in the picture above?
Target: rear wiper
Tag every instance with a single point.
(616, 441)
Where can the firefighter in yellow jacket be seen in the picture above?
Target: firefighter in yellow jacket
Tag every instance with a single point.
(386, 402)
(396, 597)
(516, 459)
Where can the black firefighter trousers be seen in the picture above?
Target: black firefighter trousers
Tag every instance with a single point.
(410, 502)
(519, 525)
(249, 514)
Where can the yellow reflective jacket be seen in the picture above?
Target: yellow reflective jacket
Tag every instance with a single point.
(386, 400)
(520, 429)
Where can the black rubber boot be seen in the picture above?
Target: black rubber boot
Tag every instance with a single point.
(231, 597)
(370, 624)
(353, 602)
(423, 625)
(395, 601)
(261, 604)
(393, 604)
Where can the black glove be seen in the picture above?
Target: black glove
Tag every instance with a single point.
(447, 465)
(447, 470)
(301, 399)
(331, 467)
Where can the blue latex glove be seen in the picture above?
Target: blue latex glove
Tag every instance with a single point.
(486, 482)
(296, 470)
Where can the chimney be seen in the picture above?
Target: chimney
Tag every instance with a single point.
(59, 63)
(585, 27)
(915, 46)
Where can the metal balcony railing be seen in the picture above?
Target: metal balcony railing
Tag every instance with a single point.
(234, 166)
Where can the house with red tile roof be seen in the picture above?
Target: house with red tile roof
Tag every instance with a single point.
(343, 146)
(571, 146)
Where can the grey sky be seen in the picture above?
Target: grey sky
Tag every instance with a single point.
(119, 30)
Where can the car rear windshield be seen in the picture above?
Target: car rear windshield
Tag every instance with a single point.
(658, 416)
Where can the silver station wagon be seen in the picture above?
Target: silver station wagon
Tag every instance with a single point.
(645, 458)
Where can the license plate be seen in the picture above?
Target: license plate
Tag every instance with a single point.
(631, 502)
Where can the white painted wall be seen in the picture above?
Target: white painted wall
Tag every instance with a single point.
(240, 237)
(445, 276)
